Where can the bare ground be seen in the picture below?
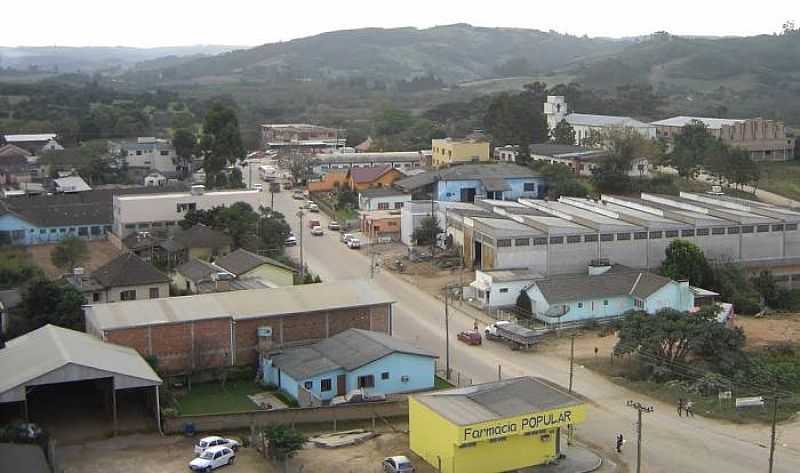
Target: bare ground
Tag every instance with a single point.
(100, 253)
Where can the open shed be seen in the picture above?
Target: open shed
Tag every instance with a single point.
(63, 378)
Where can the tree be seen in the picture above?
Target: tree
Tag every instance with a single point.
(516, 119)
(563, 133)
(346, 198)
(284, 441)
(624, 147)
(300, 167)
(273, 231)
(16, 268)
(686, 261)
(185, 143)
(221, 142)
(51, 302)
(427, 231)
(69, 253)
(689, 149)
(561, 180)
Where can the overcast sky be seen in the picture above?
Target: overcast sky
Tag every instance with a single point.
(147, 23)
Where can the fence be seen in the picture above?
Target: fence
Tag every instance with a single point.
(456, 377)
(310, 415)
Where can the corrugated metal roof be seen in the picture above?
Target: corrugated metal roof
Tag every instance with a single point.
(49, 348)
(620, 281)
(498, 400)
(238, 305)
(711, 123)
(604, 121)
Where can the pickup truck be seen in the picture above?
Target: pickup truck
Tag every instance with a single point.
(357, 396)
(517, 336)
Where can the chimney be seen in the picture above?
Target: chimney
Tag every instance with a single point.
(599, 266)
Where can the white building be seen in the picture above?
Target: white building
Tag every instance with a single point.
(38, 143)
(556, 109)
(163, 211)
(147, 153)
(382, 198)
(402, 160)
(582, 161)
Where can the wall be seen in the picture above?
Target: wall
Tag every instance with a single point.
(328, 182)
(385, 180)
(391, 202)
(509, 297)
(142, 292)
(411, 216)
(311, 415)
(275, 275)
(430, 436)
(31, 234)
(448, 151)
(675, 295)
(582, 310)
(419, 369)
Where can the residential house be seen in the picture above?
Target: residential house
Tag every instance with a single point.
(197, 276)
(381, 226)
(467, 182)
(450, 151)
(71, 184)
(507, 153)
(330, 181)
(499, 288)
(377, 176)
(199, 241)
(125, 278)
(147, 153)
(155, 179)
(352, 359)
(606, 291)
(581, 160)
(47, 219)
(587, 125)
(382, 198)
(246, 265)
(764, 140)
(14, 165)
(35, 143)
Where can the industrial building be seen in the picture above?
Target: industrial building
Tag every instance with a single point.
(502, 426)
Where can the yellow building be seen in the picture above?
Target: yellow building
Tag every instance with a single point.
(494, 427)
(449, 150)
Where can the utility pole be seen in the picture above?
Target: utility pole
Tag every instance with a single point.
(302, 263)
(640, 409)
(447, 330)
(772, 436)
(571, 360)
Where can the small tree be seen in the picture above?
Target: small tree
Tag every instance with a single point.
(563, 133)
(685, 260)
(69, 253)
(284, 442)
(427, 231)
(50, 302)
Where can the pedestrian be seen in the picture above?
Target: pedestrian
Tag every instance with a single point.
(595, 351)
(620, 442)
(680, 408)
(689, 408)
(475, 325)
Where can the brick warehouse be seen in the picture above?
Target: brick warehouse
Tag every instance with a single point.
(210, 330)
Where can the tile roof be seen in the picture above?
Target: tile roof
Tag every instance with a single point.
(201, 236)
(10, 150)
(370, 174)
(128, 270)
(347, 350)
(619, 281)
(242, 261)
(381, 192)
(196, 270)
(467, 172)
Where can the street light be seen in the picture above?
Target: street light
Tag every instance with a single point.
(302, 265)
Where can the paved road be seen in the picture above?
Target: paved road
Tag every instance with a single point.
(672, 444)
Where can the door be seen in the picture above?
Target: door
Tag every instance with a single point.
(341, 385)
(468, 194)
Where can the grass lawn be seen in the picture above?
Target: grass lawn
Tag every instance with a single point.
(441, 383)
(781, 178)
(210, 398)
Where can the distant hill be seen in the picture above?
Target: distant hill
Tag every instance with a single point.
(452, 53)
(92, 59)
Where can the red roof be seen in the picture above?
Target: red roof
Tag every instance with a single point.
(360, 175)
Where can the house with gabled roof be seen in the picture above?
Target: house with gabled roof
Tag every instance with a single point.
(376, 176)
(244, 264)
(125, 278)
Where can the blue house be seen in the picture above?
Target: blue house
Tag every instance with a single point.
(467, 182)
(376, 362)
(606, 291)
(47, 219)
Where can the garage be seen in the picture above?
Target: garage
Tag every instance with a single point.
(76, 386)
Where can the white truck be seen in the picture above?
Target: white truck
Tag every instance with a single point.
(517, 336)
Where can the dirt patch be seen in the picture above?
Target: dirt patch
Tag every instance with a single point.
(769, 330)
(100, 253)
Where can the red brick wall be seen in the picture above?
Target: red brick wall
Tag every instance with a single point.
(135, 338)
(341, 320)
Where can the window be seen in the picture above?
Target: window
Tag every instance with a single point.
(367, 381)
(128, 295)
(747, 229)
(573, 239)
(718, 231)
(95, 297)
(623, 236)
(18, 234)
(580, 305)
(556, 240)
(52, 230)
(655, 235)
(638, 303)
(522, 242)
(733, 230)
(62, 230)
(130, 226)
(138, 152)
(385, 375)
(671, 234)
(590, 238)
(529, 187)
(762, 228)
(791, 227)
(540, 241)
(640, 236)
(158, 224)
(42, 231)
(504, 290)
(606, 237)
(687, 233)
(153, 293)
(96, 230)
(164, 153)
(383, 205)
(391, 224)
(398, 205)
(702, 232)
(325, 385)
(83, 231)
(309, 385)
(605, 301)
(503, 243)
(777, 228)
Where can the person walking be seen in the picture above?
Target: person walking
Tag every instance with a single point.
(689, 408)
(620, 442)
(680, 408)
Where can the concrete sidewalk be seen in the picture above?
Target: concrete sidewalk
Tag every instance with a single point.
(577, 459)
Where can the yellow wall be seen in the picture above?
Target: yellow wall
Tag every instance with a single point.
(279, 276)
(434, 438)
(448, 151)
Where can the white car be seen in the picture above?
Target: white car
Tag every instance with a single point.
(291, 240)
(317, 231)
(345, 237)
(313, 208)
(397, 464)
(215, 441)
(213, 458)
(354, 243)
(258, 187)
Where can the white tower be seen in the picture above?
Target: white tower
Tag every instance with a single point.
(555, 109)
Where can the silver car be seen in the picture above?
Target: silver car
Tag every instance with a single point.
(397, 464)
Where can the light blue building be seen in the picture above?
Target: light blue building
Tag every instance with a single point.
(47, 219)
(606, 291)
(376, 362)
(467, 182)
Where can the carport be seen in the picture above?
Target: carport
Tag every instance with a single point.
(54, 365)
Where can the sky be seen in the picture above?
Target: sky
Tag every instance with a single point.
(151, 23)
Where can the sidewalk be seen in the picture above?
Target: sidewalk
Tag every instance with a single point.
(577, 459)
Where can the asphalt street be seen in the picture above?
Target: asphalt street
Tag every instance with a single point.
(671, 444)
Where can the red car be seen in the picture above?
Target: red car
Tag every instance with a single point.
(470, 338)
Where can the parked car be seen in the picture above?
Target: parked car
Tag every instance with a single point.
(333, 225)
(357, 396)
(258, 187)
(291, 240)
(345, 237)
(313, 208)
(313, 222)
(213, 458)
(397, 464)
(298, 195)
(354, 243)
(470, 337)
(317, 231)
(215, 441)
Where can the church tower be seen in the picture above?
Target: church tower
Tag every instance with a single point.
(555, 109)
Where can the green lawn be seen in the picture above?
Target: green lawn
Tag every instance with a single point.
(781, 178)
(210, 398)
(441, 383)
